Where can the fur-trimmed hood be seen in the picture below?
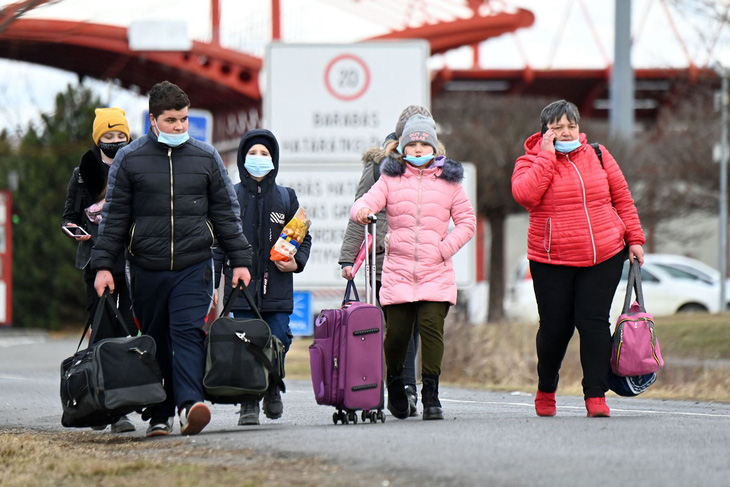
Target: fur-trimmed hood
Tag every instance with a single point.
(451, 171)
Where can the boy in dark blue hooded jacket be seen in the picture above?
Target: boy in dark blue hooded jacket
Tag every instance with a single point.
(266, 208)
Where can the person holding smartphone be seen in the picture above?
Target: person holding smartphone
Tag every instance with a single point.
(82, 215)
(583, 225)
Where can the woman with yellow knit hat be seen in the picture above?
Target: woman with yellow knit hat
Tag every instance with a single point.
(84, 199)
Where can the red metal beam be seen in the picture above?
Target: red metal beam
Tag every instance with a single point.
(13, 11)
(215, 21)
(224, 67)
(275, 20)
(450, 35)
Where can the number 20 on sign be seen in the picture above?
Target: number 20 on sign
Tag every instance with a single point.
(347, 77)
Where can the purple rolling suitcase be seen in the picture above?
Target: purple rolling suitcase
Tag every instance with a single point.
(346, 357)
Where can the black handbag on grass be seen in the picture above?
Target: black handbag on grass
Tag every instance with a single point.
(110, 378)
(243, 358)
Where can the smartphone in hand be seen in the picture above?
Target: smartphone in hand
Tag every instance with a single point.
(74, 232)
(543, 129)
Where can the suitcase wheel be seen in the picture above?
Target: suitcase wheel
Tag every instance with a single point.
(371, 416)
(344, 417)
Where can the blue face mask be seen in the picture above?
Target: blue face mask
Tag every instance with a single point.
(419, 161)
(171, 140)
(258, 166)
(566, 146)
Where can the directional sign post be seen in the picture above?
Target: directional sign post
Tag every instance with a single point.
(301, 321)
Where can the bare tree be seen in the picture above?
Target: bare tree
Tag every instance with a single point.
(490, 132)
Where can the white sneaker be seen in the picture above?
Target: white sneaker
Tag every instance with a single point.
(160, 428)
(194, 418)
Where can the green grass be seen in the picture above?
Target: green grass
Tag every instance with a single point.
(698, 336)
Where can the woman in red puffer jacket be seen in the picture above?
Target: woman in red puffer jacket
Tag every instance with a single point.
(583, 223)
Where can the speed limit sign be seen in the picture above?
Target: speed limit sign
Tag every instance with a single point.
(347, 77)
(332, 102)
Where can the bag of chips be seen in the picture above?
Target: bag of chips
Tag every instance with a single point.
(291, 236)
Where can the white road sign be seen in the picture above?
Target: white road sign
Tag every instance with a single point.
(329, 103)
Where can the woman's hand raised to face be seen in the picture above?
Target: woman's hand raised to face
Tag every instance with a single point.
(548, 141)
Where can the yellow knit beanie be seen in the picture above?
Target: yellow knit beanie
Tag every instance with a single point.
(109, 120)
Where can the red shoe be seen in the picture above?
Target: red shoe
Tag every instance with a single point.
(597, 407)
(545, 403)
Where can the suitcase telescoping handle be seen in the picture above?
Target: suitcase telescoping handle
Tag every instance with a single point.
(370, 260)
(246, 294)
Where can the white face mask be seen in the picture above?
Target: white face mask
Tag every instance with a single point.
(258, 166)
(171, 140)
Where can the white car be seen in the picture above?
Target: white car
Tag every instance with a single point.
(671, 284)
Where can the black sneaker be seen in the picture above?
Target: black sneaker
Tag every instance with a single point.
(123, 425)
(249, 413)
(272, 404)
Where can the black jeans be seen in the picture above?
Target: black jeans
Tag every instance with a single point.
(570, 298)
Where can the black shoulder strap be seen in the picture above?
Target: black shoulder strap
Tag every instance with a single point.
(286, 199)
(597, 148)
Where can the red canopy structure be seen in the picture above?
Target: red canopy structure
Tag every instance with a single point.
(225, 81)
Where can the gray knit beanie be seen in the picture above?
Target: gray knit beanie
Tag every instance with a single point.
(419, 128)
(407, 113)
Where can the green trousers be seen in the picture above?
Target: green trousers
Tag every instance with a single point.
(399, 321)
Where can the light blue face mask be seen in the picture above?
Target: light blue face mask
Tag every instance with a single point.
(419, 161)
(566, 146)
(258, 166)
(172, 140)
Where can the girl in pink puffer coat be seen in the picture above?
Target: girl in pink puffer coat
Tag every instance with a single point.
(420, 194)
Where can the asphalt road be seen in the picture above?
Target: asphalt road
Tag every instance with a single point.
(487, 438)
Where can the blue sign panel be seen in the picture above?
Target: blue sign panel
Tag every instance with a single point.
(200, 125)
(301, 320)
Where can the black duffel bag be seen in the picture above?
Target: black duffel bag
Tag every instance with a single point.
(110, 378)
(243, 358)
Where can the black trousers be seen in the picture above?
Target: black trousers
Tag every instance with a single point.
(570, 298)
(171, 307)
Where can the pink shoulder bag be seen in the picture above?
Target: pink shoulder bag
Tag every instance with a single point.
(635, 345)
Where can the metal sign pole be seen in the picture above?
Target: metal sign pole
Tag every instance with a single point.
(723, 190)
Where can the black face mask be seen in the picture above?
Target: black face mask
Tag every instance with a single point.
(110, 149)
